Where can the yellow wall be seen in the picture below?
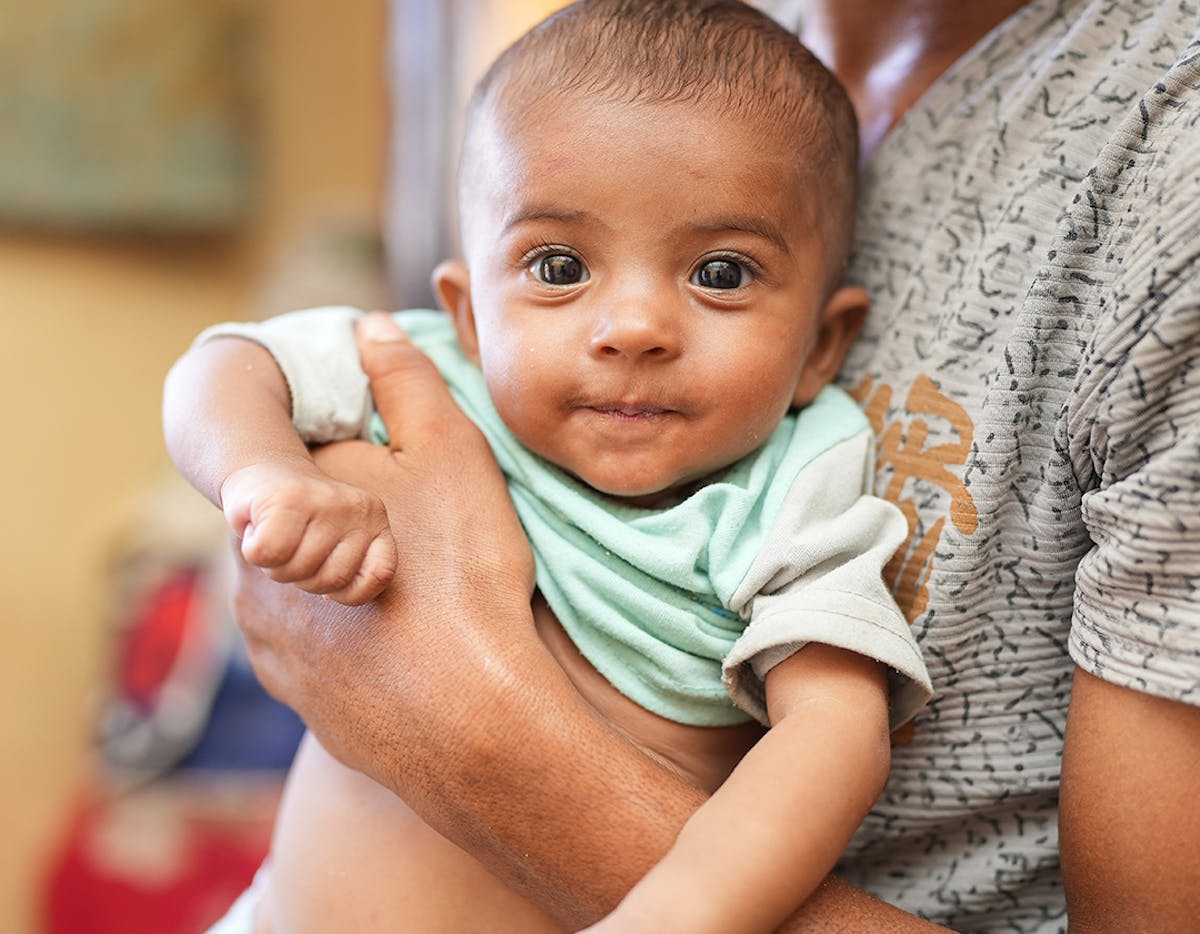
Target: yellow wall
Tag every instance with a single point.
(88, 328)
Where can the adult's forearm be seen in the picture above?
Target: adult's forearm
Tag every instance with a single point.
(515, 768)
(480, 733)
(837, 907)
(552, 800)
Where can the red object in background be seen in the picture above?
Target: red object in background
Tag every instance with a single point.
(160, 632)
(175, 819)
(168, 859)
(171, 648)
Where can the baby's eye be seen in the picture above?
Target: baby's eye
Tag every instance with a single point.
(560, 269)
(720, 274)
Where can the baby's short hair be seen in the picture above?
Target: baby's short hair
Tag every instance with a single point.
(720, 54)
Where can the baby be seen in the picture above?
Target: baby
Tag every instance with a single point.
(656, 204)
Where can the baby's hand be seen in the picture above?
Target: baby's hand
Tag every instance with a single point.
(307, 529)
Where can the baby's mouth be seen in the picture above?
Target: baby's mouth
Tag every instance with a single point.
(622, 410)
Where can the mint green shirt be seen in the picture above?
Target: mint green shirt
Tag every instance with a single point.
(658, 600)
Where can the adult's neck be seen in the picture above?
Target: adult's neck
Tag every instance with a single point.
(888, 52)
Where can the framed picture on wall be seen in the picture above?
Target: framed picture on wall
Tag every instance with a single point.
(124, 115)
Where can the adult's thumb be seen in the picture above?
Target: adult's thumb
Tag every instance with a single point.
(410, 394)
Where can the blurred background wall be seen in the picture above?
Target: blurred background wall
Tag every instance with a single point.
(91, 319)
(89, 324)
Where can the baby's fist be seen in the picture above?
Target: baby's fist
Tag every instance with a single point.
(304, 528)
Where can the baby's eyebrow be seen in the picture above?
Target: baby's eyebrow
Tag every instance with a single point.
(756, 226)
(534, 214)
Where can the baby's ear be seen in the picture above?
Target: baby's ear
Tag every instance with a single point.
(452, 285)
(840, 321)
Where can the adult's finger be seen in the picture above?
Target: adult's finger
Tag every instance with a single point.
(270, 652)
(410, 394)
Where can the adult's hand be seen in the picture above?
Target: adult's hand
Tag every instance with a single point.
(462, 558)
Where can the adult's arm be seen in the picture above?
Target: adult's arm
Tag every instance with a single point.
(441, 691)
(1129, 813)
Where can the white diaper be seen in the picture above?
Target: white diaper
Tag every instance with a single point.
(240, 917)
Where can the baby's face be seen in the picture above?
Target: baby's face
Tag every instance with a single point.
(646, 284)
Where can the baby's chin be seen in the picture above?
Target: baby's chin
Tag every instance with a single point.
(659, 498)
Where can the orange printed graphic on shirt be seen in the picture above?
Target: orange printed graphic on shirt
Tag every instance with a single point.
(904, 456)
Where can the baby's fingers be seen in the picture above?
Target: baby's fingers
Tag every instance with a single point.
(321, 560)
(272, 543)
(375, 572)
(346, 570)
(348, 554)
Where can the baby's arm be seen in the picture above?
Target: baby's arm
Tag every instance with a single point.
(228, 425)
(769, 836)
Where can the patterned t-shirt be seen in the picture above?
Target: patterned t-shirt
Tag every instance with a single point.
(1030, 236)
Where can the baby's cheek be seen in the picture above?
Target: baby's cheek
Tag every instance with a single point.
(521, 410)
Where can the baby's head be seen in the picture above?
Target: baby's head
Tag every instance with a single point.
(656, 204)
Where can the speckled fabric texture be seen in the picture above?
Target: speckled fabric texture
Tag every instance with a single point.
(1030, 235)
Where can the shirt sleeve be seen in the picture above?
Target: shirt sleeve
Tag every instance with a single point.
(819, 578)
(1134, 426)
(315, 349)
